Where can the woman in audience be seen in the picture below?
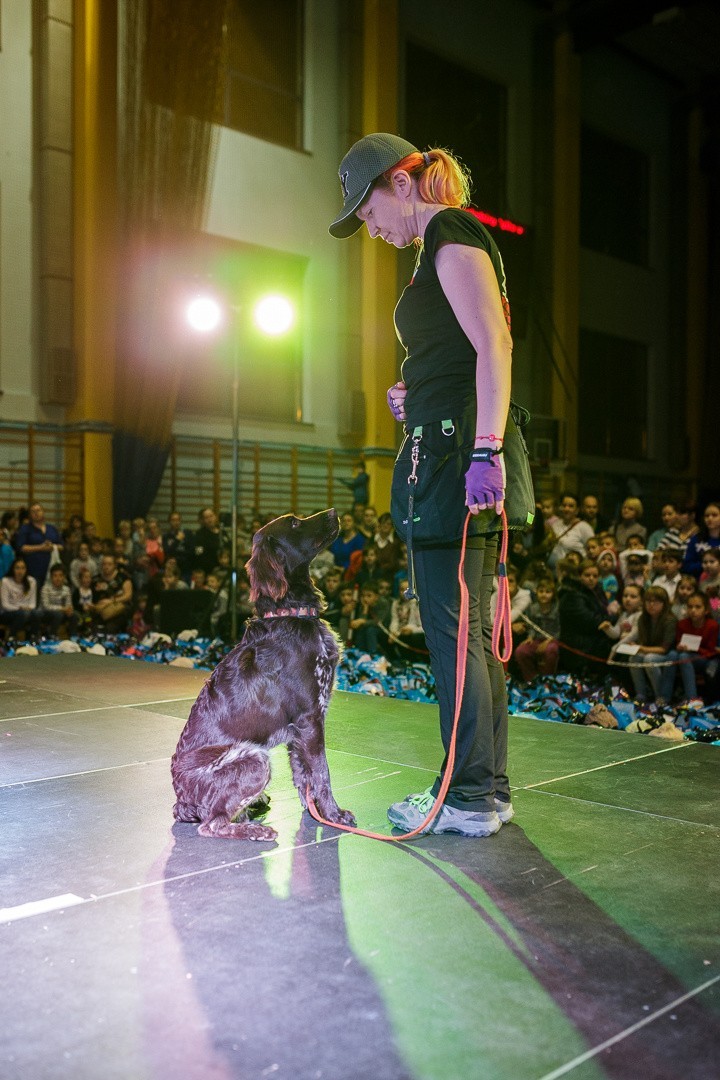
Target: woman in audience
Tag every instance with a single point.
(584, 622)
(706, 539)
(18, 600)
(668, 515)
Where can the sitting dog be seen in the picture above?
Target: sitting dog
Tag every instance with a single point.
(273, 687)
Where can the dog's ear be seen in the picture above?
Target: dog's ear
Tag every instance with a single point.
(265, 571)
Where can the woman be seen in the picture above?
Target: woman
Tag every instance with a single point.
(584, 622)
(453, 319)
(707, 538)
(570, 532)
(18, 600)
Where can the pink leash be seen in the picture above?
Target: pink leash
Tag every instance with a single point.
(501, 624)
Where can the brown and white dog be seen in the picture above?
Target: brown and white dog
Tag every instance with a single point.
(273, 687)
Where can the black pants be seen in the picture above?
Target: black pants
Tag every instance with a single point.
(480, 770)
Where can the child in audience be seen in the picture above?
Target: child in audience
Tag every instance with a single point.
(606, 569)
(632, 602)
(139, 625)
(655, 635)
(219, 609)
(405, 624)
(670, 577)
(84, 558)
(696, 657)
(687, 585)
(635, 568)
(82, 599)
(538, 655)
(56, 609)
(593, 547)
(364, 633)
(710, 578)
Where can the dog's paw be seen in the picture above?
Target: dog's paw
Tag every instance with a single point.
(343, 817)
(259, 832)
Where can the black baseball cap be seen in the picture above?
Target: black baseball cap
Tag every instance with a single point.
(365, 161)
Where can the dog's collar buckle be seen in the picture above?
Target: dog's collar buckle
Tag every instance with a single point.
(307, 611)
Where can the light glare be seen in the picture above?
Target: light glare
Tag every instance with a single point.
(274, 315)
(204, 314)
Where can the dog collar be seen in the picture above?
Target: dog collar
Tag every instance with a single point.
(305, 612)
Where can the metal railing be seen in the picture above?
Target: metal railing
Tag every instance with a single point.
(273, 478)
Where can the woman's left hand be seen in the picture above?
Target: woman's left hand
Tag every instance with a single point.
(485, 485)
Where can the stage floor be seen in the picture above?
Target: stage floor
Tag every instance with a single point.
(582, 940)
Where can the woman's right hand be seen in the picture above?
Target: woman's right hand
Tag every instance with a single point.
(396, 400)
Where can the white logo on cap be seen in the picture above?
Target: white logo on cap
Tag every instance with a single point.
(344, 183)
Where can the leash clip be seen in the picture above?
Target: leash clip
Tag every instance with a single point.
(415, 458)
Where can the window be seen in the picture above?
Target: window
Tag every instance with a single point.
(448, 105)
(264, 76)
(612, 397)
(614, 198)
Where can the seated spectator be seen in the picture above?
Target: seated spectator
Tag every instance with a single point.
(631, 609)
(121, 559)
(405, 629)
(520, 601)
(388, 545)
(112, 597)
(668, 580)
(655, 637)
(348, 541)
(169, 581)
(369, 569)
(401, 574)
(154, 547)
(538, 655)
(321, 565)
(346, 605)
(593, 547)
(710, 578)
(207, 541)
(198, 578)
(607, 567)
(364, 633)
(696, 656)
(7, 555)
(9, 523)
(584, 622)
(178, 543)
(607, 540)
(635, 567)
(83, 560)
(590, 512)
(82, 599)
(139, 625)
(223, 570)
(630, 524)
(706, 539)
(656, 565)
(686, 587)
(330, 585)
(571, 534)
(369, 523)
(56, 608)
(535, 571)
(124, 533)
(683, 529)
(219, 616)
(18, 600)
(668, 515)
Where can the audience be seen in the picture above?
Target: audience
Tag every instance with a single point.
(599, 592)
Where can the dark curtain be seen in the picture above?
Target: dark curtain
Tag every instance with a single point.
(172, 69)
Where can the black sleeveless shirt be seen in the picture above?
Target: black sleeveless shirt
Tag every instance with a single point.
(439, 367)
